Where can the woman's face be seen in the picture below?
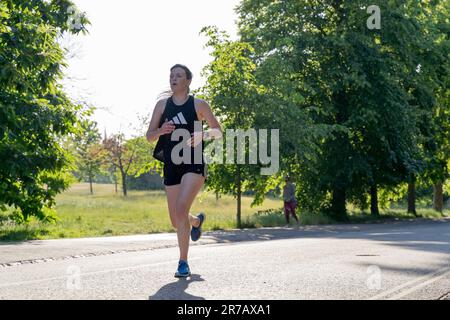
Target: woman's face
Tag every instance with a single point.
(178, 80)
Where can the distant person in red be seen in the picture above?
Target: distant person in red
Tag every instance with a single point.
(289, 200)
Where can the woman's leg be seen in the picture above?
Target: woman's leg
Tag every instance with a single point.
(172, 193)
(190, 185)
(293, 212)
(286, 211)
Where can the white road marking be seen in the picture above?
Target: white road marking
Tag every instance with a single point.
(420, 285)
(434, 276)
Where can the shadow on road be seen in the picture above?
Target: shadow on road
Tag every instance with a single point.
(392, 233)
(426, 235)
(176, 290)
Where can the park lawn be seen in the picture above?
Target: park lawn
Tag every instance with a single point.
(105, 214)
(141, 212)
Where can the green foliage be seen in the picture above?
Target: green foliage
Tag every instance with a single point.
(129, 158)
(233, 95)
(34, 111)
(143, 160)
(89, 153)
(369, 95)
(240, 102)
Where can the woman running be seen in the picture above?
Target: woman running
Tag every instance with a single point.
(183, 180)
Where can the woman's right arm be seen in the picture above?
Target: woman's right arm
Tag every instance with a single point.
(154, 131)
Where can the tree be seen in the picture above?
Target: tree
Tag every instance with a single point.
(231, 91)
(425, 58)
(144, 164)
(132, 157)
(89, 152)
(121, 154)
(35, 113)
(357, 84)
(441, 159)
(439, 171)
(242, 105)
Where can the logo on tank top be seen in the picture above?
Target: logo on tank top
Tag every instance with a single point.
(179, 119)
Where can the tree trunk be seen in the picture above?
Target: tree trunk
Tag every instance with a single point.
(124, 182)
(90, 184)
(374, 200)
(217, 197)
(412, 196)
(338, 210)
(238, 187)
(340, 148)
(438, 197)
(114, 169)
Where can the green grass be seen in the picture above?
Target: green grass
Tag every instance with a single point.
(108, 214)
(142, 212)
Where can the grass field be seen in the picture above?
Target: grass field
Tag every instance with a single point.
(107, 214)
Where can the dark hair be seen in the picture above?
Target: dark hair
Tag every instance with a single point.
(169, 92)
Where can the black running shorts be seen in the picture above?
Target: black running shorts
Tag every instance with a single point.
(173, 172)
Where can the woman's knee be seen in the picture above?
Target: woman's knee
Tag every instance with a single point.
(174, 223)
(182, 210)
(178, 216)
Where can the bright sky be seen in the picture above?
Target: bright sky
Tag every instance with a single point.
(124, 62)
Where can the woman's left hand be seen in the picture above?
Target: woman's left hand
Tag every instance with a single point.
(195, 139)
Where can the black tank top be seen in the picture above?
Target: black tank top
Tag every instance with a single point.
(183, 116)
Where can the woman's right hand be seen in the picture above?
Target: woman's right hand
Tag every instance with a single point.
(167, 127)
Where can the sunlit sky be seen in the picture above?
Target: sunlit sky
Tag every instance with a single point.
(124, 62)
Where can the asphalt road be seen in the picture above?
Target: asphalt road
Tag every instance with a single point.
(397, 260)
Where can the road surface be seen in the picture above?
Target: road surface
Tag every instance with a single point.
(395, 260)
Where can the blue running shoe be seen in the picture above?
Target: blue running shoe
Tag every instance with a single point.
(196, 232)
(183, 270)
